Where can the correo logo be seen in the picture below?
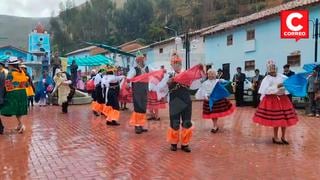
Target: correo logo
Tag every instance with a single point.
(295, 25)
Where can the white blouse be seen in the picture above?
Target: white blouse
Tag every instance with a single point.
(269, 85)
(206, 89)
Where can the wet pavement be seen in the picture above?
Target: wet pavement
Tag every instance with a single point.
(80, 146)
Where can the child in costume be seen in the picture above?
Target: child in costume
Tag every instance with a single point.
(221, 108)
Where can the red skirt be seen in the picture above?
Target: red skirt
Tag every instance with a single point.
(154, 103)
(220, 109)
(276, 111)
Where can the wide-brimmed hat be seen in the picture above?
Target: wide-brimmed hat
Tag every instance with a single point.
(13, 60)
(23, 66)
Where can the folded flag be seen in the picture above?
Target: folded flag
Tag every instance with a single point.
(219, 92)
(190, 75)
(147, 77)
(296, 85)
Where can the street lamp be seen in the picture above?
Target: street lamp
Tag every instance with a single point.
(315, 35)
(177, 39)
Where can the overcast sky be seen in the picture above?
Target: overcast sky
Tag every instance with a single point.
(31, 8)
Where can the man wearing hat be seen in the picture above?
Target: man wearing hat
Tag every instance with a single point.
(140, 94)
(180, 108)
(3, 74)
(15, 87)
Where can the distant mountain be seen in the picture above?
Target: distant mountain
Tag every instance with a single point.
(15, 30)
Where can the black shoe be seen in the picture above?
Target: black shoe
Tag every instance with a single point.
(115, 123)
(151, 118)
(109, 123)
(138, 129)
(276, 142)
(1, 127)
(214, 130)
(143, 130)
(174, 147)
(185, 148)
(96, 113)
(284, 141)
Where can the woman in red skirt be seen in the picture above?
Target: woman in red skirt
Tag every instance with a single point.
(220, 108)
(275, 109)
(154, 104)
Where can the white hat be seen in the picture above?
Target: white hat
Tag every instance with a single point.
(13, 60)
(23, 66)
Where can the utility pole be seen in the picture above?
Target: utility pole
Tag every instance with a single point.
(316, 35)
(187, 46)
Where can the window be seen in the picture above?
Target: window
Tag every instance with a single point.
(229, 40)
(294, 60)
(250, 34)
(8, 53)
(249, 65)
(161, 50)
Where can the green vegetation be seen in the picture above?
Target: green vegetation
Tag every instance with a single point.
(101, 21)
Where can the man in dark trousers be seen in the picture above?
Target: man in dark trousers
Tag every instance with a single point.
(239, 79)
(256, 82)
(287, 72)
(140, 95)
(74, 73)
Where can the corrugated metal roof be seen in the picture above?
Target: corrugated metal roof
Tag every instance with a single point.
(260, 15)
(81, 50)
(96, 60)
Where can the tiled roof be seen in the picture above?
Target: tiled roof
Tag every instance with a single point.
(260, 15)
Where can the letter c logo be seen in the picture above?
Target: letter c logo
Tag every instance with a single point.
(290, 19)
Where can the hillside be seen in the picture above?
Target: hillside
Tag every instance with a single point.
(115, 24)
(14, 30)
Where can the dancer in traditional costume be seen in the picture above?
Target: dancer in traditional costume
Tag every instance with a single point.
(154, 104)
(180, 104)
(62, 85)
(3, 75)
(16, 96)
(30, 88)
(111, 83)
(275, 109)
(98, 102)
(140, 95)
(221, 108)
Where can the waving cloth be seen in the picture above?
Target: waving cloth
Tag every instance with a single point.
(296, 85)
(219, 92)
(189, 76)
(147, 77)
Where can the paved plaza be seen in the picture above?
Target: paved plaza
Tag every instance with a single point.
(79, 145)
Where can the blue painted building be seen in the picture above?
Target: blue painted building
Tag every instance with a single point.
(7, 51)
(250, 41)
